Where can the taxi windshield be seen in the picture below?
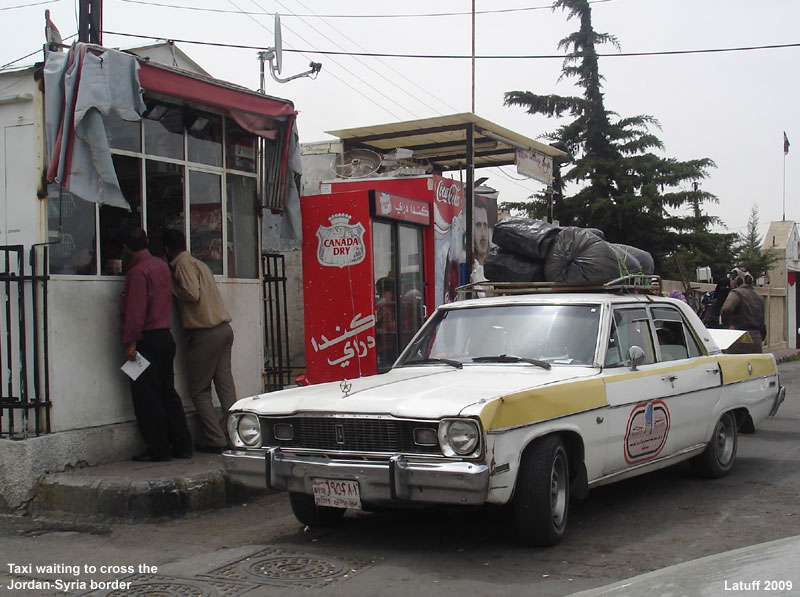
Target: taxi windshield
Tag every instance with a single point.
(555, 334)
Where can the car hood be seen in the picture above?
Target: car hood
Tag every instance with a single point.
(415, 392)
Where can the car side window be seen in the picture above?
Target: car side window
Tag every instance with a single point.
(629, 327)
(675, 340)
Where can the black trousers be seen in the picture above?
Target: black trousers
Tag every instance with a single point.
(158, 408)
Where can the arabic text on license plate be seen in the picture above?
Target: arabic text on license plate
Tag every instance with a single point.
(336, 493)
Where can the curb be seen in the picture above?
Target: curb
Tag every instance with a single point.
(137, 499)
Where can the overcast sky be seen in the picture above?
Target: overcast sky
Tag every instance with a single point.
(732, 107)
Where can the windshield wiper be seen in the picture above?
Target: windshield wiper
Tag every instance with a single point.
(510, 358)
(451, 362)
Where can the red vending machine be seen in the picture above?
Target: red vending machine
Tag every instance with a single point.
(378, 256)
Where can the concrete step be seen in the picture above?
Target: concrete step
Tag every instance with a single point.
(139, 490)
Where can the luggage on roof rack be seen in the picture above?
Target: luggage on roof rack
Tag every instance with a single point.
(633, 283)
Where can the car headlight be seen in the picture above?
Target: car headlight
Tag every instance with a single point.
(245, 430)
(459, 437)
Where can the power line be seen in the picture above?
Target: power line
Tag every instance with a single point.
(378, 73)
(303, 53)
(29, 5)
(464, 56)
(352, 16)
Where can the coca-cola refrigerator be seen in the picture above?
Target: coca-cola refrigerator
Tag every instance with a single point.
(378, 256)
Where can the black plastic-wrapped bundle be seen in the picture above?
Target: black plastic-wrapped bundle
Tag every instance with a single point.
(597, 232)
(578, 256)
(636, 260)
(504, 266)
(525, 236)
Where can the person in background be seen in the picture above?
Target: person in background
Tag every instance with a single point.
(677, 294)
(480, 231)
(209, 339)
(145, 307)
(744, 310)
(711, 315)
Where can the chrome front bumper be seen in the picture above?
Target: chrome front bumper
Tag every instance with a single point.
(380, 482)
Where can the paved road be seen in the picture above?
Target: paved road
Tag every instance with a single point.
(626, 529)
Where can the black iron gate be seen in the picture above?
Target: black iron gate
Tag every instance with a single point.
(24, 380)
(277, 371)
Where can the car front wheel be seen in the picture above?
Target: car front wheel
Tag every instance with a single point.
(541, 499)
(307, 512)
(717, 459)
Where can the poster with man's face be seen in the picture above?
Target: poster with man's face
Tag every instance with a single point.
(484, 217)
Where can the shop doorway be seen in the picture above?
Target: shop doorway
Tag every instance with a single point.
(399, 287)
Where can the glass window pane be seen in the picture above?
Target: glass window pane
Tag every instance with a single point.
(242, 227)
(411, 284)
(164, 137)
(205, 137)
(632, 328)
(240, 147)
(114, 219)
(164, 201)
(123, 134)
(70, 220)
(205, 218)
(385, 309)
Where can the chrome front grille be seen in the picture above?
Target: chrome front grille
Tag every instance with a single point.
(350, 434)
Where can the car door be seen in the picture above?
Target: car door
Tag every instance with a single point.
(657, 409)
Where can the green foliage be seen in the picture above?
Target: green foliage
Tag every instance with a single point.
(623, 187)
(748, 249)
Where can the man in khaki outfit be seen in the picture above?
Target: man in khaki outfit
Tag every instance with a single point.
(209, 339)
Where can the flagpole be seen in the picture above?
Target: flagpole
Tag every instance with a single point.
(784, 187)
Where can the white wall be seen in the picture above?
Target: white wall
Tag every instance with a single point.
(87, 387)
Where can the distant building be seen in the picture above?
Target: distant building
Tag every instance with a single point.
(783, 240)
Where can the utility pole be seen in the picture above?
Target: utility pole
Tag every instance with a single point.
(90, 21)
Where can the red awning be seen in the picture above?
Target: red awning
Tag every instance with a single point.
(210, 92)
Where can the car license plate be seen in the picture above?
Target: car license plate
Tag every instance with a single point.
(336, 493)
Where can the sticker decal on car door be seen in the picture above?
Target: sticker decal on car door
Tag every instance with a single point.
(646, 434)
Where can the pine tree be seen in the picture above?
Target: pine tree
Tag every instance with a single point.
(748, 253)
(624, 188)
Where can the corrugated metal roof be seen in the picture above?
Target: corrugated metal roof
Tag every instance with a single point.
(442, 140)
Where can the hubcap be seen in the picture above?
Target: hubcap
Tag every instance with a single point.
(724, 443)
(558, 489)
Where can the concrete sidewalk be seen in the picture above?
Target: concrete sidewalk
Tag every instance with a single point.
(145, 490)
(139, 490)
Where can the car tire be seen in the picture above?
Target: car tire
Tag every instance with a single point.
(541, 498)
(307, 512)
(717, 459)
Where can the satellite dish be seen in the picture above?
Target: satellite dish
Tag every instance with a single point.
(278, 44)
(356, 163)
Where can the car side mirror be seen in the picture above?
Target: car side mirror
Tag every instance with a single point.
(636, 355)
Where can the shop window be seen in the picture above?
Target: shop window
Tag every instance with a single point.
(240, 147)
(205, 213)
(164, 137)
(114, 219)
(204, 132)
(165, 206)
(242, 227)
(71, 223)
(123, 134)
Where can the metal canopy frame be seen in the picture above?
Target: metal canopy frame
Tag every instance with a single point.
(454, 142)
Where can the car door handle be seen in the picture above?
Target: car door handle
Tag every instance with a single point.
(669, 378)
(714, 370)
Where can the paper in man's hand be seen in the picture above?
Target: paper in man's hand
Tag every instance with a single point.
(134, 369)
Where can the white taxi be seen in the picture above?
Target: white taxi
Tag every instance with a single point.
(524, 399)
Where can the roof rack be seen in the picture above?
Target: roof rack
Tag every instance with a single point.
(632, 283)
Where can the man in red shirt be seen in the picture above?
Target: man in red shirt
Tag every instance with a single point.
(145, 307)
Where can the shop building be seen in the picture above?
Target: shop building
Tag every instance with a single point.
(158, 144)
